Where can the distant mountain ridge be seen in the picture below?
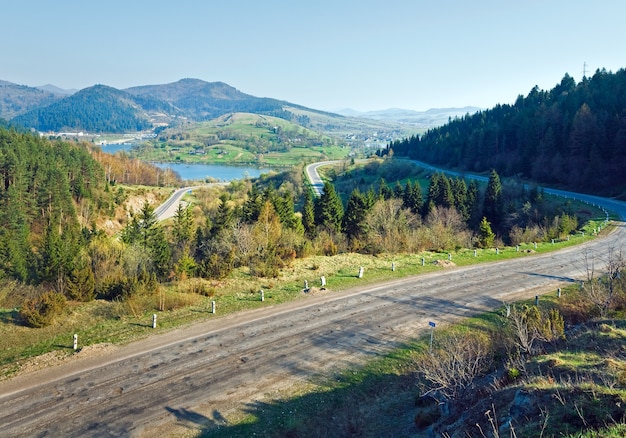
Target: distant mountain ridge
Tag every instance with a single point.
(100, 108)
(427, 119)
(18, 99)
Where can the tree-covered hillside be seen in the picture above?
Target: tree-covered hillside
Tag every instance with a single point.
(573, 136)
(202, 100)
(18, 99)
(94, 109)
(41, 185)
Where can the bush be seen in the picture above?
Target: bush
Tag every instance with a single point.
(40, 312)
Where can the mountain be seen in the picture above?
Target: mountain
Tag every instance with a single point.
(200, 100)
(424, 119)
(95, 109)
(19, 99)
(105, 109)
(56, 90)
(101, 109)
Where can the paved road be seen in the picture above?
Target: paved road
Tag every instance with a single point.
(194, 375)
(168, 208)
(314, 178)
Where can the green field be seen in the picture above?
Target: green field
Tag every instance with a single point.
(244, 139)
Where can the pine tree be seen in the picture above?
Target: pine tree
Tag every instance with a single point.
(486, 237)
(308, 214)
(354, 217)
(329, 209)
(412, 197)
(493, 207)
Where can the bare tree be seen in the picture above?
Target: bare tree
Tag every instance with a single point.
(455, 362)
(530, 326)
(600, 289)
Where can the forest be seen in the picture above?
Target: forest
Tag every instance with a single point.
(573, 136)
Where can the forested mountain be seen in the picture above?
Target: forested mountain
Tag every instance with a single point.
(94, 109)
(18, 99)
(573, 136)
(202, 100)
(41, 185)
(105, 109)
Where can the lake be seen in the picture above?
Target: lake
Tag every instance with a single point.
(215, 171)
(198, 171)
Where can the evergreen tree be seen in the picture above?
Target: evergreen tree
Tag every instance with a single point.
(354, 217)
(384, 191)
(486, 236)
(329, 209)
(308, 214)
(494, 203)
(398, 191)
(412, 197)
(459, 190)
(473, 203)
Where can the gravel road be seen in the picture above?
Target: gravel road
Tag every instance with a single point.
(194, 375)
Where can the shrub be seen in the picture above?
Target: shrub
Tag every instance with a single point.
(39, 312)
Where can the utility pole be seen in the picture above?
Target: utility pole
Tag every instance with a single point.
(584, 69)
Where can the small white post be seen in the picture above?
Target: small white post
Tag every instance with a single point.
(536, 300)
(474, 253)
(393, 266)
(306, 285)
(432, 331)
(212, 306)
(516, 248)
(558, 292)
(361, 272)
(535, 245)
(508, 310)
(449, 256)
(552, 241)
(423, 261)
(262, 295)
(323, 281)
(154, 320)
(75, 342)
(497, 251)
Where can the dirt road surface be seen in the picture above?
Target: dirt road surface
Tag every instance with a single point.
(194, 375)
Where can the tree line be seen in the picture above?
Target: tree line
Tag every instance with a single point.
(573, 136)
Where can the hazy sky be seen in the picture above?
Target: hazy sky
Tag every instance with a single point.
(325, 54)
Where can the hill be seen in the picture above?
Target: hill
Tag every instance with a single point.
(200, 100)
(94, 109)
(19, 99)
(573, 136)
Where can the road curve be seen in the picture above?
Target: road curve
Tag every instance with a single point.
(195, 374)
(314, 178)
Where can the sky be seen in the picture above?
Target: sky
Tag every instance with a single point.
(325, 54)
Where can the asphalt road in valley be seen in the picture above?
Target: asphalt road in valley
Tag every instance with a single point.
(194, 375)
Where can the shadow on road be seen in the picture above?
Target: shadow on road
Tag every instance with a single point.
(552, 277)
(190, 418)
